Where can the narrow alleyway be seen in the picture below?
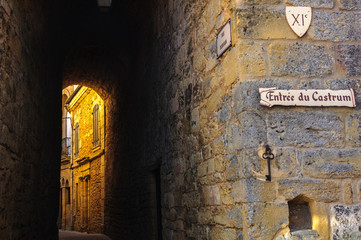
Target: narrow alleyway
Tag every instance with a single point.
(69, 235)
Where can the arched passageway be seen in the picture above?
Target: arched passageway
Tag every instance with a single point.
(50, 46)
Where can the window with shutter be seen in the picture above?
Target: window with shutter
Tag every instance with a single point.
(96, 126)
(76, 140)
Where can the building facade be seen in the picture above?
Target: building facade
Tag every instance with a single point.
(82, 162)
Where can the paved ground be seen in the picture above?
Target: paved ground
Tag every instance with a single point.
(68, 235)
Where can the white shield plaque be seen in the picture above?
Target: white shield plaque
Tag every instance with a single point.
(299, 19)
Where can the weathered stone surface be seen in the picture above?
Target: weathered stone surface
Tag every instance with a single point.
(224, 234)
(285, 163)
(225, 112)
(335, 26)
(332, 163)
(350, 4)
(312, 3)
(353, 130)
(320, 218)
(346, 83)
(242, 165)
(348, 56)
(304, 235)
(231, 218)
(234, 136)
(309, 129)
(234, 168)
(191, 199)
(347, 194)
(345, 222)
(258, 2)
(253, 190)
(245, 94)
(260, 227)
(317, 190)
(230, 67)
(252, 57)
(263, 23)
(253, 129)
(300, 59)
(211, 195)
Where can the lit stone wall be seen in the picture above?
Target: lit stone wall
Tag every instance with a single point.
(212, 129)
(87, 205)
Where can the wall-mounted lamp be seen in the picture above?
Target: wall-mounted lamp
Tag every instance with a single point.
(104, 4)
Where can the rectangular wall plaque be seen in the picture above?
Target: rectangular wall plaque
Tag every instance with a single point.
(224, 38)
(307, 97)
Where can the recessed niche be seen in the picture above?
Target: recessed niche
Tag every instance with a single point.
(299, 214)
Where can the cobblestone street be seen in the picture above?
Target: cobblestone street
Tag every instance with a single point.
(69, 235)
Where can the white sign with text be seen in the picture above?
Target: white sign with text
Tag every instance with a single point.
(307, 97)
(224, 39)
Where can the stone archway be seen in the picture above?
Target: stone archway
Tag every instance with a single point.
(96, 68)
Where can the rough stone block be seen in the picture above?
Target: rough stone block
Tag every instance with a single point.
(242, 165)
(332, 163)
(311, 3)
(338, 84)
(253, 129)
(347, 191)
(304, 235)
(169, 200)
(353, 130)
(263, 23)
(214, 100)
(285, 163)
(300, 59)
(320, 220)
(245, 94)
(225, 112)
(345, 222)
(309, 129)
(234, 217)
(250, 161)
(234, 136)
(191, 215)
(199, 60)
(257, 2)
(348, 56)
(211, 195)
(350, 4)
(253, 190)
(233, 170)
(252, 59)
(224, 234)
(260, 227)
(231, 66)
(231, 217)
(202, 169)
(335, 26)
(191, 199)
(317, 190)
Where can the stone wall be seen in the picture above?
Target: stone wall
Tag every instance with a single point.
(211, 130)
(29, 192)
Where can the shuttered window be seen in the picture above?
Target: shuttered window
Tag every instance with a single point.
(76, 140)
(96, 126)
